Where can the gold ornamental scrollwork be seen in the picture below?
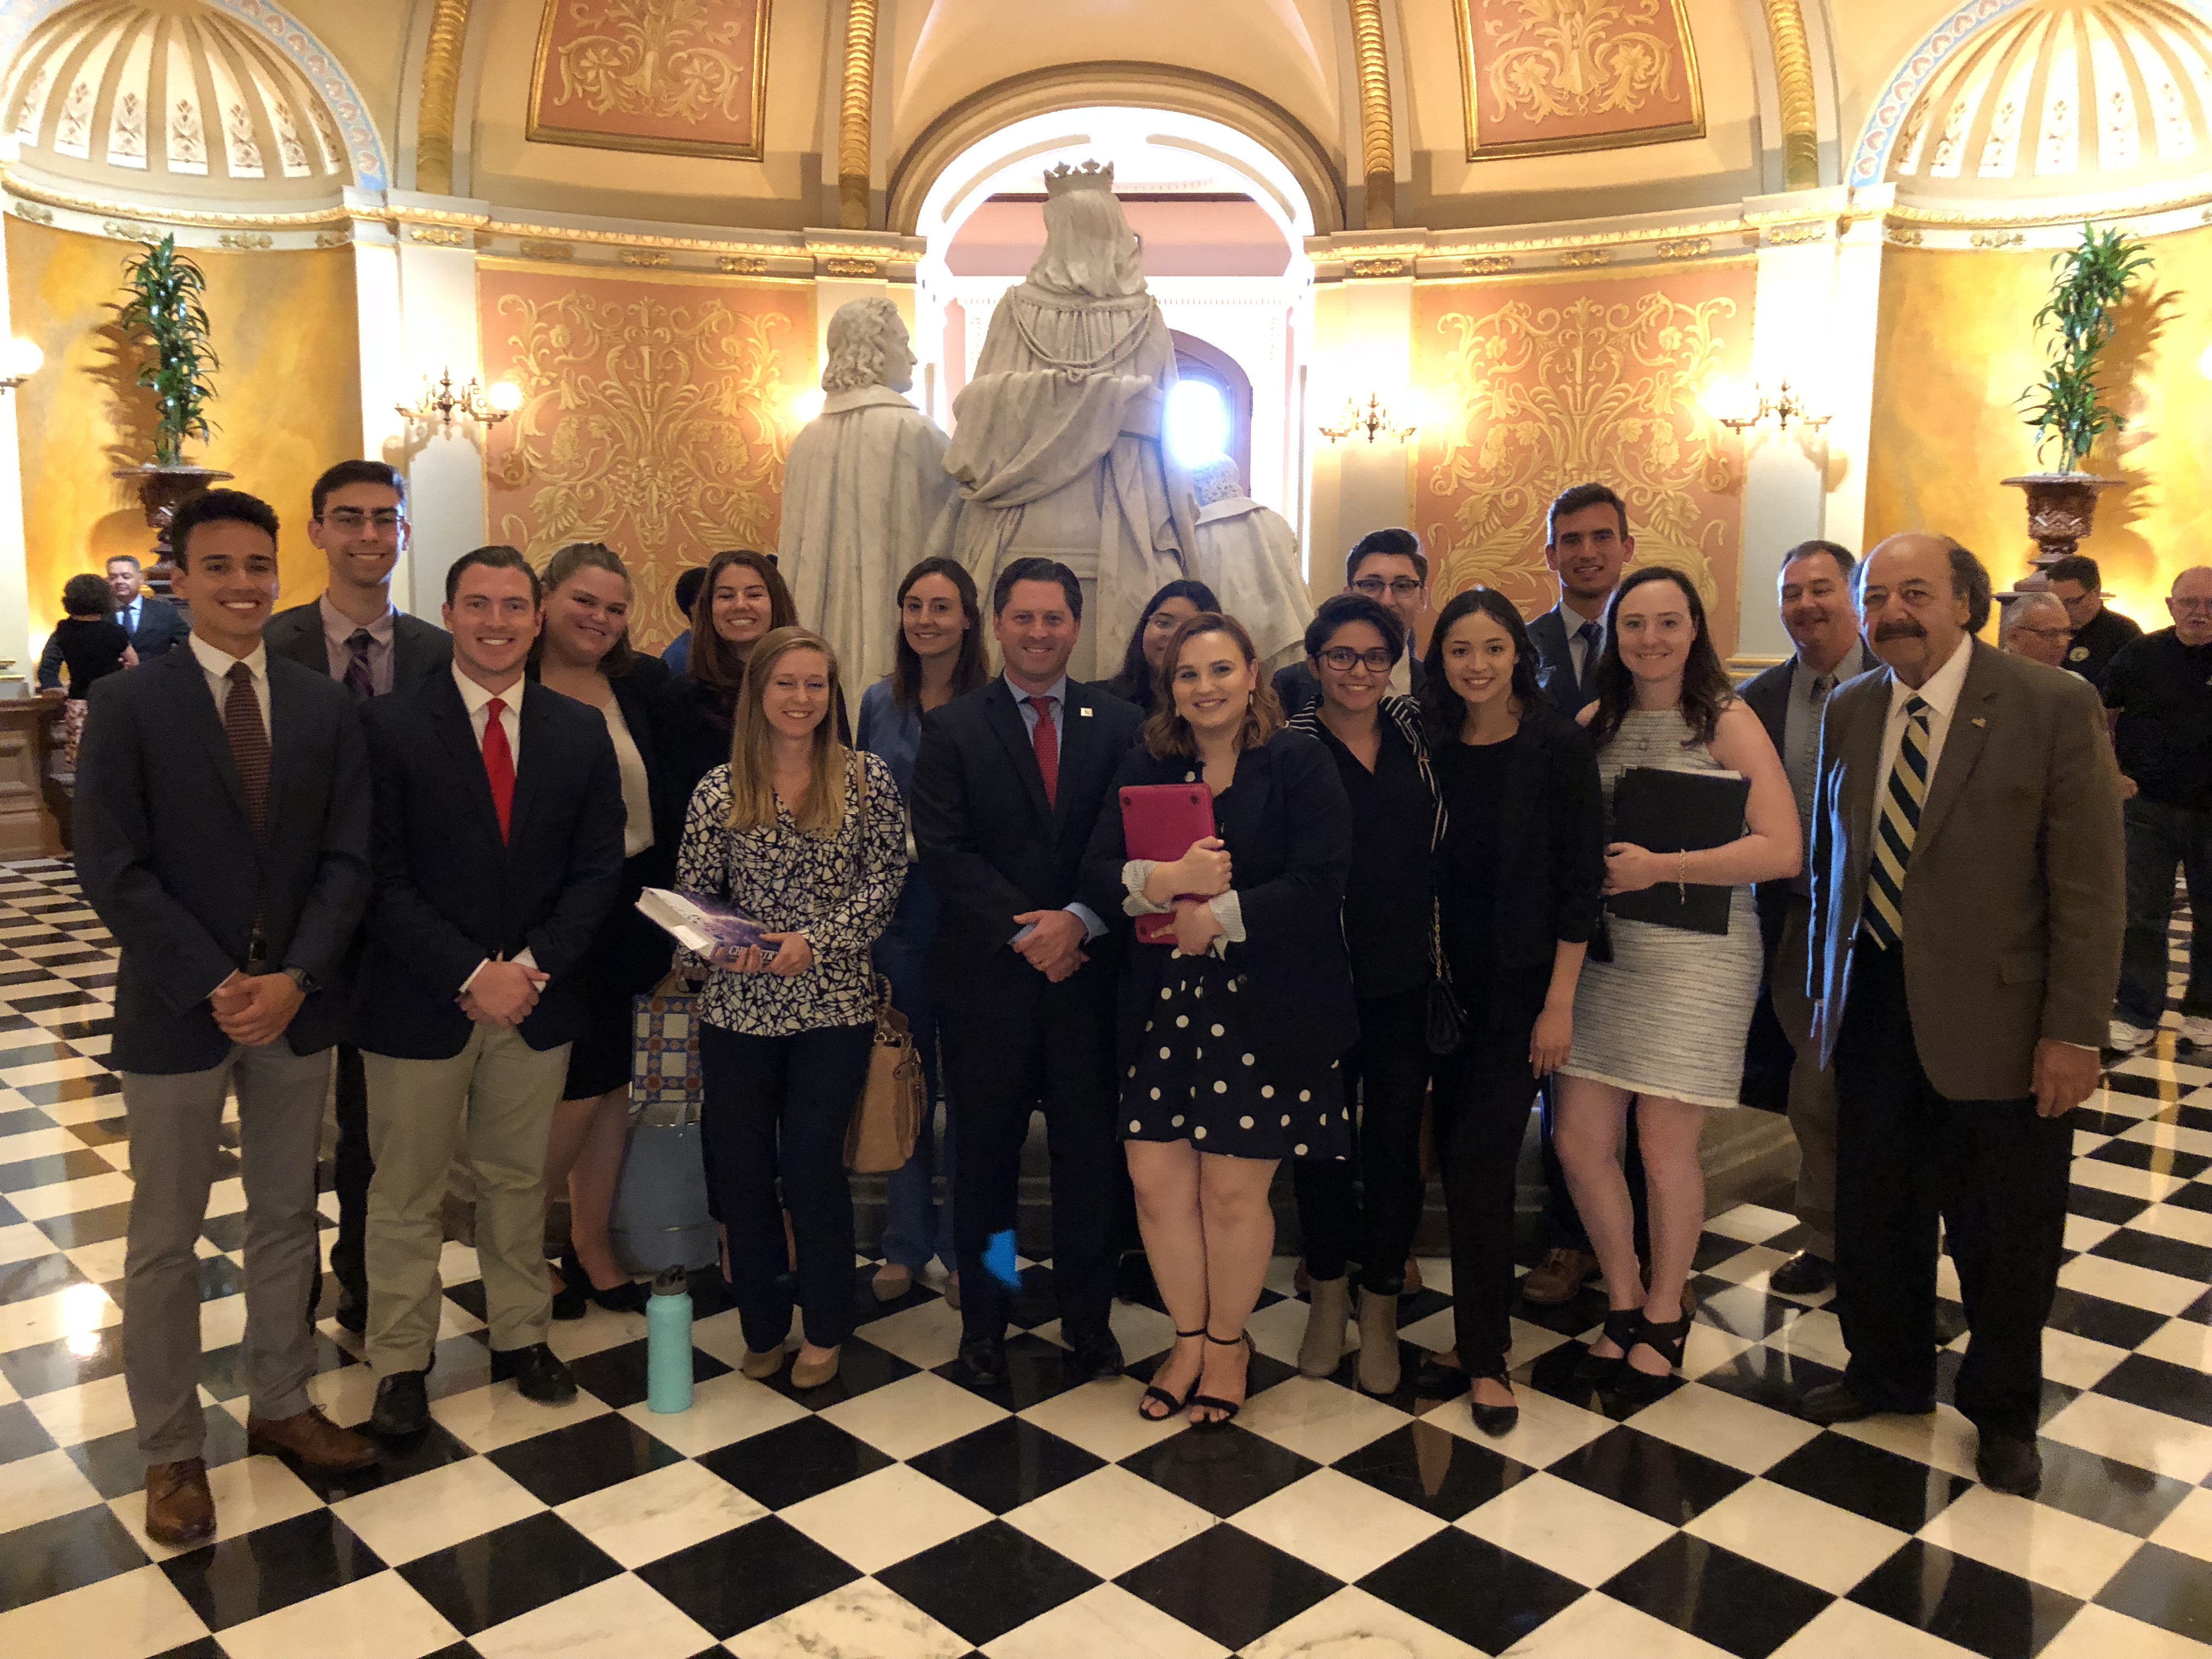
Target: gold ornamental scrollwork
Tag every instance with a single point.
(535, 247)
(851, 268)
(1904, 237)
(651, 422)
(1993, 240)
(440, 236)
(1797, 235)
(1582, 258)
(34, 213)
(334, 239)
(645, 258)
(1487, 265)
(644, 75)
(1686, 247)
(131, 231)
(1377, 267)
(743, 264)
(1591, 388)
(1566, 64)
(246, 241)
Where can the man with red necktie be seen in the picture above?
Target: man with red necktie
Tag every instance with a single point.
(498, 849)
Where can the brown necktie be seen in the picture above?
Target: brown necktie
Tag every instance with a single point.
(249, 745)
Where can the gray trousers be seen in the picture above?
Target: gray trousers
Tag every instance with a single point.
(176, 1122)
(1812, 1090)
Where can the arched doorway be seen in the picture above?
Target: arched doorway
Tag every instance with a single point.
(1210, 371)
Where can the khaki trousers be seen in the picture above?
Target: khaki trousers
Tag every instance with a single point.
(1812, 1090)
(495, 1098)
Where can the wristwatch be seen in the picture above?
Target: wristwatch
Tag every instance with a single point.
(303, 979)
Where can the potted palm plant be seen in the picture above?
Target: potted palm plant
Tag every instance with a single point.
(165, 313)
(2067, 408)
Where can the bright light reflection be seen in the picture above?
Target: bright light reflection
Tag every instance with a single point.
(85, 1308)
(1197, 421)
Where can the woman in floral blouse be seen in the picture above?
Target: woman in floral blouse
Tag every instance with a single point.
(808, 838)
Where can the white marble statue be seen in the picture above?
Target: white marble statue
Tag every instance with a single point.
(1248, 554)
(865, 494)
(1056, 439)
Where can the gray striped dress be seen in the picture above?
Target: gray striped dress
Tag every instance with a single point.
(1667, 1015)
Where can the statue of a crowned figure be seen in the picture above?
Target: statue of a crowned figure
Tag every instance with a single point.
(1056, 439)
(865, 494)
(1248, 554)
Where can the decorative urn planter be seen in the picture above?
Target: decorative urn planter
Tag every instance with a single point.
(2062, 507)
(162, 491)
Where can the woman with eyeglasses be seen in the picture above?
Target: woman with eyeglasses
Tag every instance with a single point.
(1518, 872)
(1175, 604)
(1375, 740)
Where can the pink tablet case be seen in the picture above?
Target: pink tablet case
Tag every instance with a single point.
(1161, 822)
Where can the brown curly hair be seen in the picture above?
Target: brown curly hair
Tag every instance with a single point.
(1167, 733)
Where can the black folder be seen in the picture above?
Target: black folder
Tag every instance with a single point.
(1665, 812)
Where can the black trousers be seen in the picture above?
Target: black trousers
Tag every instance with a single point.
(1992, 1171)
(1483, 1095)
(1386, 1079)
(773, 1124)
(998, 1072)
(354, 1168)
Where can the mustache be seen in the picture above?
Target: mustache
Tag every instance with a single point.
(1903, 630)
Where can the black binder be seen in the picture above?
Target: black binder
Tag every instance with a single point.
(1665, 812)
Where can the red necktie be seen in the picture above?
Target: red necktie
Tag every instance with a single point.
(499, 762)
(1047, 740)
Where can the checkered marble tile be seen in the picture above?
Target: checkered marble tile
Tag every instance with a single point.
(896, 1514)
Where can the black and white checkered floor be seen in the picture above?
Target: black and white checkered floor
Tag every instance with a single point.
(896, 1515)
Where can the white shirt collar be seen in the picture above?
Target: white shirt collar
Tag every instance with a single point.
(474, 697)
(1057, 692)
(218, 662)
(1942, 691)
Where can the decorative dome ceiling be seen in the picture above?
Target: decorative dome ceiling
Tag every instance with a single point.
(185, 97)
(2064, 97)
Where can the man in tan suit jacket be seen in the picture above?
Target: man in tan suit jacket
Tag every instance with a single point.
(1968, 897)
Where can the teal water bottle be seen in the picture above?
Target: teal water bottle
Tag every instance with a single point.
(668, 1344)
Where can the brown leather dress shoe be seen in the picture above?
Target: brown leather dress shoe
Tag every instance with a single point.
(179, 1508)
(1559, 1277)
(310, 1438)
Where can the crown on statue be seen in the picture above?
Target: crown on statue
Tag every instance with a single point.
(1091, 175)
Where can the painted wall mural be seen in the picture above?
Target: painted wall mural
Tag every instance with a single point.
(1545, 77)
(1543, 384)
(656, 416)
(676, 77)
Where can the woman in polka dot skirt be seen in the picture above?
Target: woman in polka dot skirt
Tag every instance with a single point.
(1230, 1038)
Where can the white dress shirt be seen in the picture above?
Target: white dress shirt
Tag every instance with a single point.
(1940, 694)
(217, 665)
(477, 702)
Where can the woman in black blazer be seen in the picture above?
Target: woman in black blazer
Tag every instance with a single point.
(1519, 872)
(1229, 1039)
(584, 652)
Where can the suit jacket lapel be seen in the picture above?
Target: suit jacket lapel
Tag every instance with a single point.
(531, 720)
(205, 724)
(1962, 747)
(1013, 731)
(1078, 747)
(458, 733)
(1863, 760)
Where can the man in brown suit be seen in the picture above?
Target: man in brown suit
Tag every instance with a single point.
(1967, 904)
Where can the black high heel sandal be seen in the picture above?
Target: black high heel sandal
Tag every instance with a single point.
(1166, 1399)
(1667, 1342)
(1621, 1326)
(1495, 1421)
(1228, 1408)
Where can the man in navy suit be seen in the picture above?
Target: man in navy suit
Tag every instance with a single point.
(153, 623)
(498, 852)
(223, 812)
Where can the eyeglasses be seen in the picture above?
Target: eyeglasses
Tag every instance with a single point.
(2193, 606)
(351, 518)
(1344, 658)
(1375, 587)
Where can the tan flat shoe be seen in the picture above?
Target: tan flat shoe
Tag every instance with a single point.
(891, 1282)
(814, 1373)
(761, 1366)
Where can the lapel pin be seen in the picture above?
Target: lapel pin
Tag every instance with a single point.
(1086, 713)
(1978, 720)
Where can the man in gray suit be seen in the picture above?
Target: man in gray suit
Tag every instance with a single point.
(355, 635)
(1967, 904)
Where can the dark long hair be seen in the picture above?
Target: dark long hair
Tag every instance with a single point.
(1706, 689)
(714, 663)
(1443, 711)
(1134, 683)
(973, 668)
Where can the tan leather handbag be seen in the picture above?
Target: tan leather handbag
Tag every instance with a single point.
(887, 1118)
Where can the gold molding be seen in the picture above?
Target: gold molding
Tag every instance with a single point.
(34, 213)
(2047, 214)
(1904, 238)
(440, 236)
(537, 132)
(1629, 267)
(1998, 239)
(1797, 235)
(845, 267)
(1462, 44)
(441, 91)
(743, 264)
(1377, 267)
(1377, 146)
(536, 247)
(856, 116)
(1489, 264)
(645, 258)
(1801, 109)
(23, 190)
(1684, 247)
(246, 241)
(1582, 258)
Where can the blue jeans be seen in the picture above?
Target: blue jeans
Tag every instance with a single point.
(2159, 837)
(916, 1227)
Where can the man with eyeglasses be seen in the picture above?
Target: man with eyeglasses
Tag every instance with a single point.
(1387, 567)
(2036, 627)
(2158, 696)
(358, 519)
(2099, 634)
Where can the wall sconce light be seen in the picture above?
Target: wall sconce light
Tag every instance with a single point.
(20, 359)
(1373, 417)
(1778, 411)
(442, 402)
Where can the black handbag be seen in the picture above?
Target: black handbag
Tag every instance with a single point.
(1447, 1024)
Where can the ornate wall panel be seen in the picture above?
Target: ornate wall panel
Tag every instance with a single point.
(1543, 76)
(656, 416)
(288, 400)
(676, 77)
(1537, 385)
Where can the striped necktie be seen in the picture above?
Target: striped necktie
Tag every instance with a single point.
(1897, 824)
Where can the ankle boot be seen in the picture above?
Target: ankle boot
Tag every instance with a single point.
(1323, 1347)
(1378, 1343)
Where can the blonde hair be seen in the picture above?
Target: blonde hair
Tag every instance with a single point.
(752, 774)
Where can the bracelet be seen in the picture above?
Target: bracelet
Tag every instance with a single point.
(1682, 876)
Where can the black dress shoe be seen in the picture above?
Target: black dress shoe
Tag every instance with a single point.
(1093, 1357)
(1439, 1382)
(1839, 1402)
(403, 1405)
(1495, 1421)
(537, 1372)
(982, 1363)
(352, 1313)
(2006, 1462)
(1803, 1274)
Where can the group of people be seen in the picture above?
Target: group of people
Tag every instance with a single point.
(338, 826)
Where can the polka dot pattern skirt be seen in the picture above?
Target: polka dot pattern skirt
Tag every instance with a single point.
(1197, 1076)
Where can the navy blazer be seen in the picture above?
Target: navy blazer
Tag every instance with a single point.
(1288, 826)
(419, 648)
(993, 847)
(166, 855)
(449, 893)
(1555, 663)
